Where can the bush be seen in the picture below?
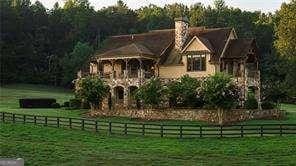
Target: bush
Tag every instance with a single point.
(92, 90)
(267, 105)
(150, 93)
(251, 102)
(183, 93)
(85, 105)
(66, 104)
(37, 102)
(55, 105)
(74, 103)
(220, 92)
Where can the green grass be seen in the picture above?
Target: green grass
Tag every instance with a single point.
(51, 146)
(10, 94)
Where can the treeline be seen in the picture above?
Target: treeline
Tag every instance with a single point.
(49, 46)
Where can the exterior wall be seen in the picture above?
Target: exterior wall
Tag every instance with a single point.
(180, 70)
(210, 116)
(172, 71)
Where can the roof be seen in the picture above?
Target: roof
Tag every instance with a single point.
(238, 48)
(130, 50)
(161, 43)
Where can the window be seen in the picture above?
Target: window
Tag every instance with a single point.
(196, 62)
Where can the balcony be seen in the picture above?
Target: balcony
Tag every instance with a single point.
(125, 74)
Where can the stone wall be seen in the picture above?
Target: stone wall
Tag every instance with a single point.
(209, 116)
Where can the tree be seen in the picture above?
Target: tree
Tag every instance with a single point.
(153, 17)
(220, 92)
(285, 29)
(75, 60)
(92, 90)
(197, 14)
(150, 93)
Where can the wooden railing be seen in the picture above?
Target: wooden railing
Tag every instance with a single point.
(150, 129)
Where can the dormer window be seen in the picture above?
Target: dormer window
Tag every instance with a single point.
(196, 62)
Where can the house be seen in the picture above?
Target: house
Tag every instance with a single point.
(127, 61)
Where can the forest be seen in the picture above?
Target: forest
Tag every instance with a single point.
(48, 46)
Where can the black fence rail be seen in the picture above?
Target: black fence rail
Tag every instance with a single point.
(146, 129)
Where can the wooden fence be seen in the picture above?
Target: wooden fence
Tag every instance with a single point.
(146, 129)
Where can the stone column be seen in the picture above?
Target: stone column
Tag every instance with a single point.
(125, 97)
(112, 98)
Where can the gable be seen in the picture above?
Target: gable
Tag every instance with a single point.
(198, 44)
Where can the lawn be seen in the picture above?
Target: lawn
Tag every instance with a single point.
(51, 146)
(10, 94)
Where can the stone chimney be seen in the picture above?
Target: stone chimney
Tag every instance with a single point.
(181, 32)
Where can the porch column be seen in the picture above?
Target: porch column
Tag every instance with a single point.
(125, 72)
(125, 97)
(235, 74)
(112, 91)
(99, 68)
(112, 73)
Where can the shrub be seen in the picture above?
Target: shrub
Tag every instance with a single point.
(55, 105)
(150, 93)
(74, 103)
(92, 90)
(36, 102)
(183, 93)
(220, 92)
(267, 105)
(251, 102)
(66, 104)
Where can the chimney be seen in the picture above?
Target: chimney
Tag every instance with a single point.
(181, 32)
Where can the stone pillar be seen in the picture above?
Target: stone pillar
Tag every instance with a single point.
(112, 98)
(125, 97)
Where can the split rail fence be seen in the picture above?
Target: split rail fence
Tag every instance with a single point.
(149, 129)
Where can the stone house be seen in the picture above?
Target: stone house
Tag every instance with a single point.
(127, 61)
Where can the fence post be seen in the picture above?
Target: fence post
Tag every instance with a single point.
(200, 131)
(96, 127)
(221, 131)
(261, 130)
(143, 129)
(281, 130)
(46, 121)
(125, 128)
(24, 119)
(34, 119)
(58, 121)
(181, 131)
(82, 124)
(3, 116)
(110, 128)
(13, 118)
(242, 130)
(161, 130)
(70, 123)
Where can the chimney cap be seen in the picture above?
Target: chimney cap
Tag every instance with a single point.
(184, 19)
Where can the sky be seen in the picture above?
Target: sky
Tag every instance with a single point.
(250, 5)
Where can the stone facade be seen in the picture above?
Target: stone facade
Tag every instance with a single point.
(209, 116)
